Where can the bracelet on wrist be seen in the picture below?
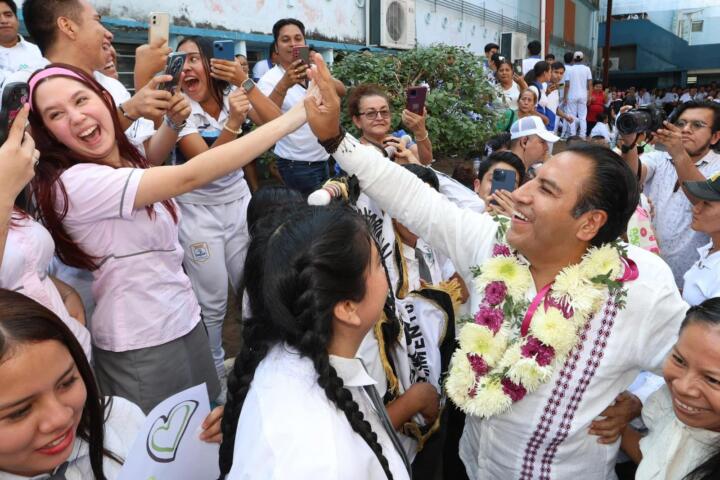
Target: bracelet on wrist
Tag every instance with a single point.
(125, 114)
(235, 132)
(427, 135)
(175, 126)
(331, 144)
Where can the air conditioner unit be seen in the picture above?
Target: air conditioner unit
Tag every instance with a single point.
(614, 64)
(392, 23)
(513, 45)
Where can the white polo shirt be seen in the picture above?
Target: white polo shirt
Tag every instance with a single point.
(302, 144)
(23, 56)
(702, 281)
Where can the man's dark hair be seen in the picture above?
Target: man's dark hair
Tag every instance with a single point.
(557, 66)
(550, 57)
(569, 57)
(490, 46)
(41, 16)
(534, 47)
(612, 187)
(714, 106)
(11, 4)
(283, 22)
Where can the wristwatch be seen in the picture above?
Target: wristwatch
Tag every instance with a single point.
(248, 85)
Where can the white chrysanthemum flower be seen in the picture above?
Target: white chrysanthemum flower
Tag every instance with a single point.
(600, 261)
(460, 379)
(511, 356)
(489, 400)
(480, 340)
(529, 374)
(516, 277)
(553, 329)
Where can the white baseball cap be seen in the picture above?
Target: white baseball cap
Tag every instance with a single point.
(532, 125)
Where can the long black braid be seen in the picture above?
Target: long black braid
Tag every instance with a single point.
(298, 267)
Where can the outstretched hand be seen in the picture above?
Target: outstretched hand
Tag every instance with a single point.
(322, 103)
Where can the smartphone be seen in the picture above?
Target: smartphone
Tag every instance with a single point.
(416, 99)
(301, 52)
(159, 26)
(517, 67)
(174, 67)
(14, 96)
(503, 180)
(224, 50)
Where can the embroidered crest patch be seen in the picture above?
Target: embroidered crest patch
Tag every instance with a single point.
(200, 252)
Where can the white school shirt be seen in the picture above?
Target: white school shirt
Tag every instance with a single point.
(22, 56)
(702, 281)
(547, 430)
(288, 428)
(124, 421)
(28, 252)
(577, 77)
(302, 144)
(671, 449)
(228, 188)
(143, 298)
(673, 211)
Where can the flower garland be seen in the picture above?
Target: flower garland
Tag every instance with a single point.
(513, 346)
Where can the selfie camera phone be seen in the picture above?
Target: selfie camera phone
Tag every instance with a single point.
(14, 96)
(159, 26)
(517, 67)
(503, 180)
(416, 99)
(174, 67)
(224, 50)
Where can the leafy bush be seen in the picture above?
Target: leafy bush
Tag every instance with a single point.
(459, 92)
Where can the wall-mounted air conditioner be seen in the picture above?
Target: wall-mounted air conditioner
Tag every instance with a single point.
(392, 23)
(513, 45)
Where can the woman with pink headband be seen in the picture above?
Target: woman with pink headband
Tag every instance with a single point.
(111, 214)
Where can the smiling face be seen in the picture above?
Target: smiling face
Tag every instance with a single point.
(195, 82)
(77, 117)
(288, 37)
(41, 403)
(378, 125)
(544, 226)
(692, 374)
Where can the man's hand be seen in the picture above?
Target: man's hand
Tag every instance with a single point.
(228, 71)
(149, 102)
(626, 407)
(149, 60)
(323, 106)
(18, 158)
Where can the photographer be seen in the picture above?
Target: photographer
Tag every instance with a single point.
(689, 142)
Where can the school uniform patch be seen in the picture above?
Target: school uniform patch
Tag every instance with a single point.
(200, 252)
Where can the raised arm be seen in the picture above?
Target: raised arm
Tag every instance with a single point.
(162, 183)
(459, 234)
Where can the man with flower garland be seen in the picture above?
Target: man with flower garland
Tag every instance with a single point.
(566, 315)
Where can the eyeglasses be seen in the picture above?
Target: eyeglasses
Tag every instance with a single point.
(695, 125)
(373, 114)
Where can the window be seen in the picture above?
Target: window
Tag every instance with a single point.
(697, 26)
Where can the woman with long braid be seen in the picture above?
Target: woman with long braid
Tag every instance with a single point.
(300, 405)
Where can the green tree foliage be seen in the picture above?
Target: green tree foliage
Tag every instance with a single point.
(459, 92)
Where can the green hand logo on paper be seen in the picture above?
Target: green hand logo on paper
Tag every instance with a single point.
(168, 430)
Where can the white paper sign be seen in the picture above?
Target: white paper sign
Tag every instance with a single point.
(168, 446)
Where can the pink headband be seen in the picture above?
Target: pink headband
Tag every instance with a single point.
(47, 73)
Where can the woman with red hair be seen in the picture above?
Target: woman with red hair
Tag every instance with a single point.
(109, 213)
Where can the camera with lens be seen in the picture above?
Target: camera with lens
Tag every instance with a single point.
(645, 119)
